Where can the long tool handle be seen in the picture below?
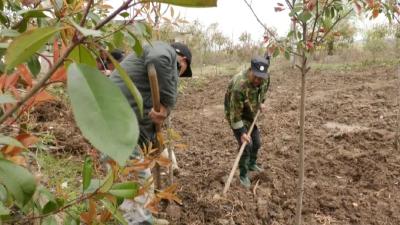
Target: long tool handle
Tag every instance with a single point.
(155, 97)
(235, 164)
(155, 91)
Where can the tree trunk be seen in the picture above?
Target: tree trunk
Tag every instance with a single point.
(330, 47)
(397, 138)
(304, 69)
(301, 144)
(293, 45)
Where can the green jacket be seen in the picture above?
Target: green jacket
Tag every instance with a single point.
(163, 56)
(242, 100)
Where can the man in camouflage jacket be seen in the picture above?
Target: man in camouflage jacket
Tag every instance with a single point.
(244, 97)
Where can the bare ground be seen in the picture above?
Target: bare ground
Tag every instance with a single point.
(352, 167)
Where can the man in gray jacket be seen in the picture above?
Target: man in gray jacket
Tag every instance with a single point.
(170, 61)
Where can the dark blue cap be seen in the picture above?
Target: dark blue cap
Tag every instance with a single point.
(259, 66)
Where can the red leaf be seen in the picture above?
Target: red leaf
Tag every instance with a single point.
(11, 81)
(2, 81)
(370, 3)
(311, 4)
(60, 75)
(56, 51)
(309, 45)
(278, 9)
(88, 217)
(25, 75)
(358, 7)
(43, 96)
(27, 139)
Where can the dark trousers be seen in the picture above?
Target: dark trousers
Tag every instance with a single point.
(249, 156)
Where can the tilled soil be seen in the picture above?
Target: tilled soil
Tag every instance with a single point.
(352, 167)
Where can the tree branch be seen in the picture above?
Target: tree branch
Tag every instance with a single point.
(259, 21)
(89, 4)
(333, 25)
(60, 61)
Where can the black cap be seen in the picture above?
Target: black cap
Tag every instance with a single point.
(117, 54)
(259, 66)
(183, 50)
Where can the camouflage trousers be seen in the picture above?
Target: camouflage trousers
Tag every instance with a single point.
(249, 156)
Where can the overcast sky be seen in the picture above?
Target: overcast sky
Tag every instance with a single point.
(235, 17)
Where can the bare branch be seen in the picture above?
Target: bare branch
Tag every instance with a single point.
(333, 25)
(60, 61)
(259, 21)
(89, 4)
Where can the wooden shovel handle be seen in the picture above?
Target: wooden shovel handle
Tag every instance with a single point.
(155, 91)
(236, 163)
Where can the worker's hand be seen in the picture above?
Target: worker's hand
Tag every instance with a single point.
(158, 117)
(245, 138)
(263, 107)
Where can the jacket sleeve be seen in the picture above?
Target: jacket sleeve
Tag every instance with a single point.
(167, 75)
(236, 112)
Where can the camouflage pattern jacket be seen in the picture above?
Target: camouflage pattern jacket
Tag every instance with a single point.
(242, 100)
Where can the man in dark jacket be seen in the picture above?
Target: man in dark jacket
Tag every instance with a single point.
(170, 61)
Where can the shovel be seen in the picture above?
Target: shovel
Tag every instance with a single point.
(235, 164)
(155, 97)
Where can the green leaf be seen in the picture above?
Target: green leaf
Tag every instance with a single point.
(80, 54)
(118, 39)
(87, 172)
(129, 83)
(94, 185)
(50, 206)
(29, 13)
(6, 98)
(18, 181)
(5, 140)
(34, 65)
(287, 54)
(9, 33)
(50, 220)
(86, 32)
(295, 10)
(124, 14)
(3, 193)
(4, 46)
(114, 211)
(102, 112)
(3, 210)
(141, 29)
(137, 47)
(305, 16)
(23, 25)
(124, 190)
(69, 220)
(3, 18)
(276, 52)
(190, 3)
(27, 44)
(96, 19)
(107, 183)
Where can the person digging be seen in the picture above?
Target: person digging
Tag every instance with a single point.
(244, 97)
